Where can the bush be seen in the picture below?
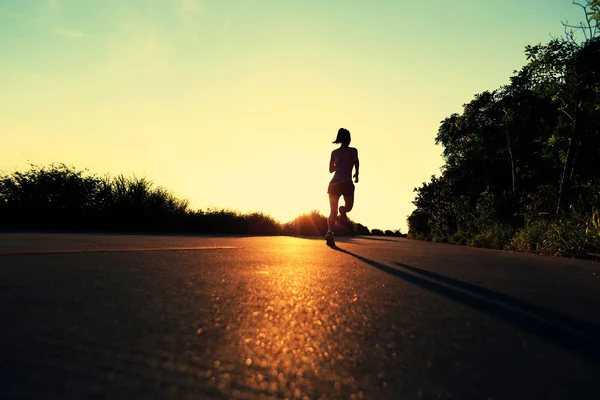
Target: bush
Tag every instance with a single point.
(574, 235)
(44, 197)
(61, 197)
(498, 237)
(311, 224)
(531, 238)
(261, 224)
(419, 225)
(395, 233)
(459, 237)
(360, 229)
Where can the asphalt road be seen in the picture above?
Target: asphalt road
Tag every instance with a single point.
(117, 316)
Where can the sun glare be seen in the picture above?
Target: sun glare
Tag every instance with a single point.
(288, 215)
(289, 183)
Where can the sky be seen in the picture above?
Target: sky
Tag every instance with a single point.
(234, 104)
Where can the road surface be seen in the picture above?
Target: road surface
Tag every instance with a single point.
(125, 316)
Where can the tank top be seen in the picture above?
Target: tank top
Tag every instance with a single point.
(344, 161)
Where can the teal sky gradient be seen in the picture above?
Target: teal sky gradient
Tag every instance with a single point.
(234, 103)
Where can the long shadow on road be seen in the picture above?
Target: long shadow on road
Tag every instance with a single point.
(565, 331)
(376, 238)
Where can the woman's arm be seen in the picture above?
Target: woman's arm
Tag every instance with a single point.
(331, 163)
(356, 165)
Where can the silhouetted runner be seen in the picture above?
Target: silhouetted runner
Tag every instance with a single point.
(342, 161)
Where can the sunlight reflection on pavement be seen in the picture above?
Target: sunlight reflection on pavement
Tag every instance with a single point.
(260, 318)
(286, 340)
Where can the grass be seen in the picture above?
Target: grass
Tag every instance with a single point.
(61, 197)
(575, 235)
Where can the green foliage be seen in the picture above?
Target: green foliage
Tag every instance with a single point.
(497, 236)
(593, 12)
(519, 154)
(361, 229)
(591, 28)
(574, 236)
(49, 196)
(310, 224)
(418, 225)
(531, 238)
(261, 224)
(61, 197)
(396, 233)
(434, 219)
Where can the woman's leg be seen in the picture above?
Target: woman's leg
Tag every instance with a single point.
(348, 203)
(348, 194)
(333, 210)
(346, 208)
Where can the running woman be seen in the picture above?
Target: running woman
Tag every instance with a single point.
(343, 159)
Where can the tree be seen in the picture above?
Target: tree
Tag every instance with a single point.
(591, 27)
(512, 147)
